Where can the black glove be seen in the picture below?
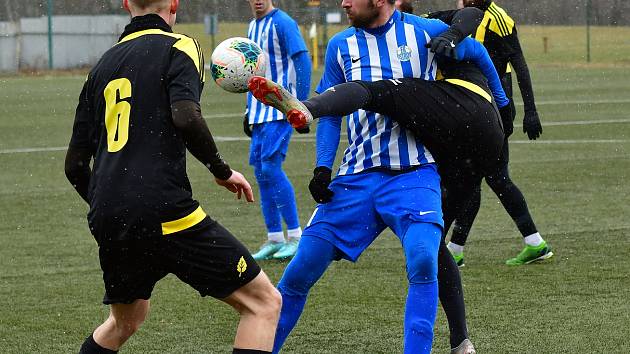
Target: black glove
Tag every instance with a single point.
(319, 185)
(303, 130)
(444, 44)
(247, 128)
(507, 118)
(531, 125)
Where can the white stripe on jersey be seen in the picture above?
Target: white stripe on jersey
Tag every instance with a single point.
(261, 32)
(379, 140)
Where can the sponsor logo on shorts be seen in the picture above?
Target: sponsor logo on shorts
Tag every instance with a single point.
(241, 267)
(426, 212)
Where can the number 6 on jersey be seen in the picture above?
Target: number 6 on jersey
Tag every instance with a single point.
(117, 111)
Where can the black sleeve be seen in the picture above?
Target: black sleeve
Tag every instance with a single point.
(188, 120)
(517, 59)
(82, 145)
(466, 21)
(81, 131)
(185, 76)
(444, 16)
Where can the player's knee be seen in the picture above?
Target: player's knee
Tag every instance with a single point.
(127, 327)
(266, 304)
(294, 284)
(421, 263)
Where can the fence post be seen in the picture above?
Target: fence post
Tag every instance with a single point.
(588, 31)
(50, 35)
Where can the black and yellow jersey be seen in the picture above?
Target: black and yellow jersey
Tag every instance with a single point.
(139, 187)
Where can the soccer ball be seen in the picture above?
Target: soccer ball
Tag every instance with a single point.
(235, 61)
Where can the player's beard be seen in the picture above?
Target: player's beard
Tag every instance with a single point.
(366, 19)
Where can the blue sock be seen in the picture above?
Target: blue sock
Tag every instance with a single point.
(420, 243)
(281, 190)
(313, 257)
(270, 211)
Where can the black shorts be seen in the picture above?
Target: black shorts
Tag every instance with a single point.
(206, 256)
(457, 125)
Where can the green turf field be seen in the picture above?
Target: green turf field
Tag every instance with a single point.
(575, 180)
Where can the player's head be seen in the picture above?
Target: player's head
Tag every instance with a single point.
(475, 3)
(368, 13)
(404, 6)
(167, 9)
(260, 8)
(460, 4)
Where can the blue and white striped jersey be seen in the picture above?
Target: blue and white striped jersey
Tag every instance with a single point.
(394, 50)
(279, 37)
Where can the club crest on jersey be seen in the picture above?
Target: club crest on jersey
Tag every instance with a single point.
(403, 53)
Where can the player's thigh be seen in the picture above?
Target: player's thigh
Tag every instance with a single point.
(274, 140)
(130, 270)
(210, 259)
(349, 221)
(410, 197)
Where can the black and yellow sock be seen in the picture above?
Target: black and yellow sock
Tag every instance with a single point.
(91, 347)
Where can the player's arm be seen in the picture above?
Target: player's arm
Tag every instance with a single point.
(298, 52)
(80, 151)
(462, 23)
(184, 80)
(328, 131)
(471, 50)
(531, 121)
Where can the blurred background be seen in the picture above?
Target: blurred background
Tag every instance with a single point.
(67, 34)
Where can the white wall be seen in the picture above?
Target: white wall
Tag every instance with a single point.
(78, 41)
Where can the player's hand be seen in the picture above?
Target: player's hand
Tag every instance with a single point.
(319, 185)
(239, 185)
(507, 118)
(247, 128)
(303, 130)
(531, 125)
(444, 44)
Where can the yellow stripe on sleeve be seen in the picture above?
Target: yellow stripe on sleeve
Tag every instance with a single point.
(184, 223)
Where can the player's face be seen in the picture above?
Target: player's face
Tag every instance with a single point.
(460, 4)
(361, 13)
(260, 7)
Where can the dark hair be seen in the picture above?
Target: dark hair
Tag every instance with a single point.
(392, 1)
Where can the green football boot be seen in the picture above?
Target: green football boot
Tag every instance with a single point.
(267, 250)
(459, 259)
(288, 250)
(531, 254)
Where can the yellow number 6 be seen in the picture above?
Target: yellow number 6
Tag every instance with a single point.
(117, 113)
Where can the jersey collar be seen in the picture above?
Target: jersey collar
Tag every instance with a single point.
(377, 31)
(267, 15)
(141, 23)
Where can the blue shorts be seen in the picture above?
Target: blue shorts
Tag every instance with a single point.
(269, 139)
(366, 203)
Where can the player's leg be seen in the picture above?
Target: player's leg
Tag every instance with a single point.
(123, 321)
(274, 150)
(462, 225)
(210, 259)
(258, 304)
(420, 243)
(130, 272)
(268, 207)
(409, 203)
(313, 257)
(536, 248)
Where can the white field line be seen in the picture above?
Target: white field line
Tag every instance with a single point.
(312, 139)
(582, 122)
(611, 101)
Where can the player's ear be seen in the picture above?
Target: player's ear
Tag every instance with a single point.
(125, 4)
(174, 6)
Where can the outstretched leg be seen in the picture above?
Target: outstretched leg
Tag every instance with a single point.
(313, 257)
